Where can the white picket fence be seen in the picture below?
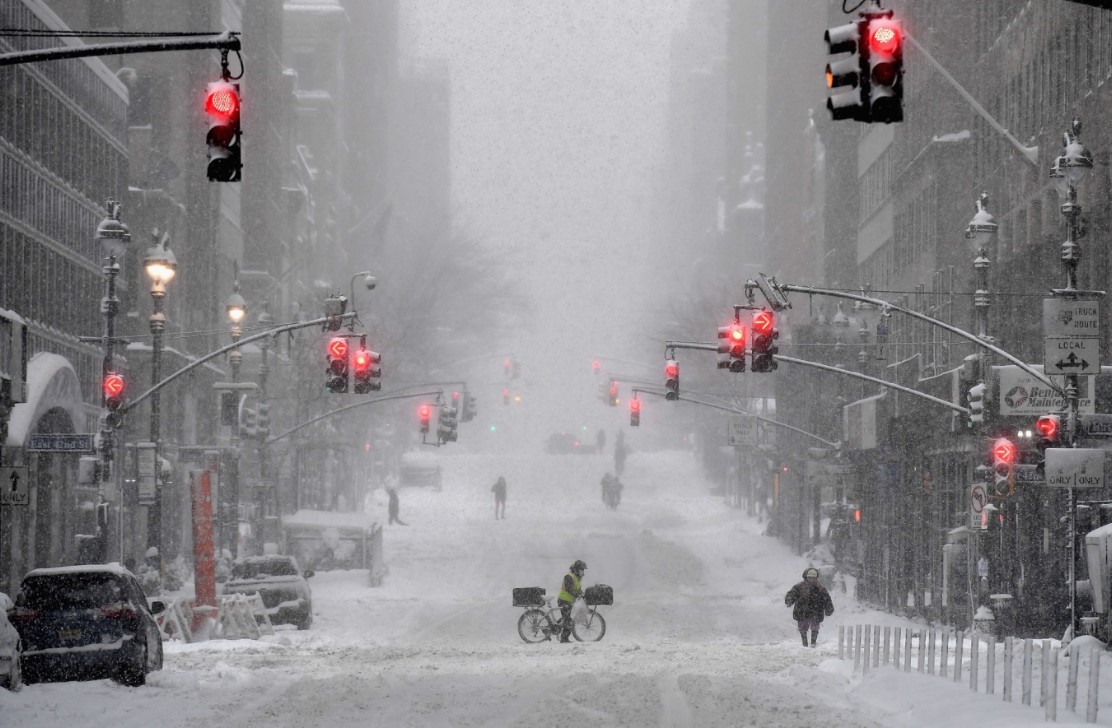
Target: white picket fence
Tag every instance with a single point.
(948, 653)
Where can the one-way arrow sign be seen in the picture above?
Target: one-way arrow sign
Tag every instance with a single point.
(14, 486)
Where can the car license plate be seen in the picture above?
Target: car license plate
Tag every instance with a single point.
(69, 634)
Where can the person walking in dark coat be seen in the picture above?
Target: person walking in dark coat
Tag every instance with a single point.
(393, 507)
(499, 489)
(811, 602)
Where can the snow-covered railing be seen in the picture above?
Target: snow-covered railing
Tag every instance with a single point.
(243, 616)
(175, 621)
(929, 650)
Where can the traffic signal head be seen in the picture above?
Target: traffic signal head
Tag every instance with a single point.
(733, 346)
(596, 366)
(469, 409)
(884, 38)
(113, 387)
(507, 367)
(977, 404)
(764, 334)
(1003, 461)
(634, 412)
(846, 75)
(223, 138)
(506, 395)
(262, 420)
(613, 392)
(337, 365)
(671, 379)
(447, 424)
(424, 414)
(1049, 428)
(364, 364)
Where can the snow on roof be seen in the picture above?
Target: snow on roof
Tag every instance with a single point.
(959, 136)
(328, 519)
(112, 568)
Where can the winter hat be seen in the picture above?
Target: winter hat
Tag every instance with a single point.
(810, 571)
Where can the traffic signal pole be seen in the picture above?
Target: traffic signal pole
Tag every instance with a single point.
(228, 41)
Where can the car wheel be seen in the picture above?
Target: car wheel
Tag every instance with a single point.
(134, 674)
(307, 621)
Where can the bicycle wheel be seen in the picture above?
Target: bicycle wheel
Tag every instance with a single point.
(534, 626)
(590, 631)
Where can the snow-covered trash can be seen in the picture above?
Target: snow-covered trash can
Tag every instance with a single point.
(984, 621)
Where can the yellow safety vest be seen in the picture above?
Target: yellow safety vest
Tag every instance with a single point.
(564, 596)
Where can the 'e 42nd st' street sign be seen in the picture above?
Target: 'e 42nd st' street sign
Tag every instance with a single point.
(60, 443)
(1072, 336)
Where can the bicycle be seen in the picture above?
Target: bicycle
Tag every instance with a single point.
(537, 625)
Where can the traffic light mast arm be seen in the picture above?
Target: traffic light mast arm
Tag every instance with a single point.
(888, 306)
(376, 400)
(689, 345)
(208, 357)
(874, 380)
(228, 41)
(1031, 154)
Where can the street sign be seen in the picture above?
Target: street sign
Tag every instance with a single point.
(15, 486)
(1074, 467)
(146, 467)
(1027, 474)
(1072, 336)
(740, 430)
(1072, 356)
(977, 498)
(46, 442)
(1096, 425)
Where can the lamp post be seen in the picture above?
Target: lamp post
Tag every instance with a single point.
(160, 265)
(867, 316)
(264, 493)
(840, 322)
(237, 309)
(114, 237)
(1070, 168)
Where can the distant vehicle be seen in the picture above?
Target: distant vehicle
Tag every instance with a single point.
(565, 443)
(420, 469)
(279, 583)
(88, 622)
(10, 648)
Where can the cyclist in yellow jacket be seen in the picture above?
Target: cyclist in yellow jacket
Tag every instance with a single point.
(571, 588)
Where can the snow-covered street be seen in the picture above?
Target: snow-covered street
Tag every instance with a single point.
(698, 635)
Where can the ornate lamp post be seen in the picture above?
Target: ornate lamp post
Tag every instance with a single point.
(265, 492)
(237, 309)
(980, 233)
(160, 265)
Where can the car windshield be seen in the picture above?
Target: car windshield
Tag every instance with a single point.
(71, 591)
(260, 569)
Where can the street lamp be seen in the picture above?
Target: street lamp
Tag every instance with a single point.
(114, 237)
(980, 234)
(840, 322)
(160, 265)
(237, 309)
(265, 489)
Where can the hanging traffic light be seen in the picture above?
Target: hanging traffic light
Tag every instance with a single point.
(764, 334)
(613, 392)
(596, 366)
(446, 425)
(672, 380)
(113, 387)
(1049, 428)
(365, 371)
(506, 395)
(424, 414)
(1003, 460)
(847, 73)
(337, 373)
(470, 407)
(635, 412)
(732, 347)
(262, 420)
(222, 107)
(515, 369)
(507, 367)
(884, 40)
(977, 404)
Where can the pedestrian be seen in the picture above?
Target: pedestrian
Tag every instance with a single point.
(393, 493)
(570, 589)
(811, 602)
(619, 454)
(499, 489)
(601, 440)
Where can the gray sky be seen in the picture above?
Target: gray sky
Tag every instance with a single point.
(558, 112)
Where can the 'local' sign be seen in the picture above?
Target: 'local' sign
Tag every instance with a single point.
(1074, 467)
(1072, 336)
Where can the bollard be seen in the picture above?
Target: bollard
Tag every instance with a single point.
(974, 659)
(1094, 684)
(1028, 666)
(990, 667)
(959, 644)
(866, 657)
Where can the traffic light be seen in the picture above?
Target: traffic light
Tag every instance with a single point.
(424, 414)
(634, 412)
(596, 366)
(507, 367)
(733, 346)
(447, 424)
(1003, 460)
(365, 371)
(249, 427)
(506, 395)
(884, 40)
(613, 391)
(223, 139)
(337, 365)
(262, 420)
(977, 404)
(672, 380)
(470, 409)
(847, 73)
(113, 388)
(515, 369)
(1049, 428)
(764, 333)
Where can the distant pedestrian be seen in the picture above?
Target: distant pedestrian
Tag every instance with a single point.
(393, 493)
(499, 489)
(811, 602)
(601, 440)
(619, 454)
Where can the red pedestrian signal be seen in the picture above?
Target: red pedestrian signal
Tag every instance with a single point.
(222, 105)
(113, 387)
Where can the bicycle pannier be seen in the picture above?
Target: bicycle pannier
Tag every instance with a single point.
(599, 594)
(529, 596)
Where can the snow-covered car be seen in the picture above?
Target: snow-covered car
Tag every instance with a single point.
(10, 676)
(565, 443)
(419, 469)
(86, 622)
(279, 583)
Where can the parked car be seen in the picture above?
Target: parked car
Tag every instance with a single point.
(86, 622)
(281, 585)
(10, 648)
(419, 469)
(565, 443)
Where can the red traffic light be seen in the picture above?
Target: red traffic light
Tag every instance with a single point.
(635, 406)
(1048, 426)
(596, 365)
(762, 322)
(857, 515)
(338, 348)
(222, 100)
(737, 333)
(424, 412)
(362, 360)
(883, 38)
(1003, 451)
(113, 385)
(671, 370)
